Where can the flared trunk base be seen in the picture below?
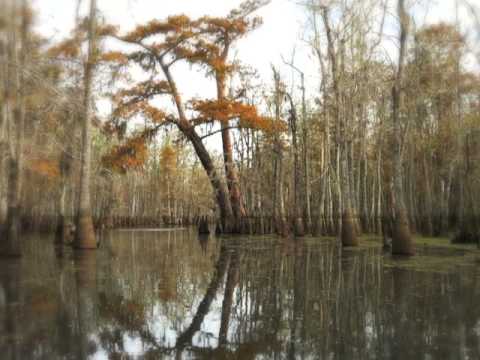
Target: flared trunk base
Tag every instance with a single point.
(10, 246)
(348, 234)
(402, 242)
(85, 233)
(203, 226)
(299, 227)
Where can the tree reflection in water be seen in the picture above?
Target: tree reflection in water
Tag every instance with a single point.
(172, 295)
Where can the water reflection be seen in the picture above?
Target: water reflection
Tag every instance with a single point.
(157, 295)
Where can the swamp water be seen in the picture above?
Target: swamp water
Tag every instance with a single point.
(173, 295)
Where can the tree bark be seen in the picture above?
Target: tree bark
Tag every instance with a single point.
(402, 242)
(230, 169)
(63, 231)
(348, 233)
(17, 62)
(306, 162)
(85, 232)
(4, 86)
(219, 187)
(279, 203)
(298, 220)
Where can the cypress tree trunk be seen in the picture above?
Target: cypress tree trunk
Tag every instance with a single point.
(233, 182)
(298, 220)
(347, 233)
(85, 232)
(402, 242)
(306, 162)
(15, 80)
(219, 187)
(3, 129)
(279, 203)
(63, 232)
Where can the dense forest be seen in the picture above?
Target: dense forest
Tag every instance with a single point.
(386, 144)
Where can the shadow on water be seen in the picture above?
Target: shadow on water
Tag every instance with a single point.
(174, 295)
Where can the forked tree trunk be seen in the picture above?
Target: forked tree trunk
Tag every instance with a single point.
(219, 187)
(233, 182)
(402, 242)
(85, 232)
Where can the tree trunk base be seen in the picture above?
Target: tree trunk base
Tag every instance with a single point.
(282, 228)
(348, 234)
(402, 242)
(85, 233)
(466, 237)
(10, 246)
(203, 226)
(60, 231)
(299, 227)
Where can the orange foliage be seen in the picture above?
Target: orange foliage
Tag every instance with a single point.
(131, 109)
(114, 57)
(168, 158)
(69, 48)
(129, 156)
(205, 41)
(172, 24)
(145, 90)
(226, 110)
(106, 30)
(46, 168)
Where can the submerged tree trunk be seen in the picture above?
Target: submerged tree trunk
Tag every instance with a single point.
(85, 232)
(402, 242)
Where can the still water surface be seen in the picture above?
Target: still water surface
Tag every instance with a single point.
(173, 295)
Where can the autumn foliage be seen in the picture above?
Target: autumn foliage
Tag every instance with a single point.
(160, 44)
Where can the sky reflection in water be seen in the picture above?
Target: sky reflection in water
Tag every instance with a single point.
(171, 294)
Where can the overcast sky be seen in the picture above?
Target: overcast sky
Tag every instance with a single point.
(282, 30)
(284, 23)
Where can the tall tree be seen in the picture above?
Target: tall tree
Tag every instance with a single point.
(15, 88)
(85, 232)
(348, 232)
(206, 42)
(402, 242)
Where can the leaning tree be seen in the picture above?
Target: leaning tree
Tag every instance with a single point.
(157, 48)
